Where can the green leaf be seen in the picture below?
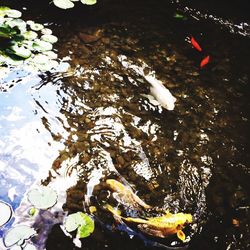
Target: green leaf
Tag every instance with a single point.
(13, 13)
(20, 51)
(3, 10)
(43, 197)
(89, 2)
(5, 213)
(72, 222)
(42, 46)
(49, 38)
(30, 35)
(36, 26)
(80, 221)
(63, 4)
(18, 235)
(86, 228)
(29, 247)
(46, 31)
(7, 32)
(16, 22)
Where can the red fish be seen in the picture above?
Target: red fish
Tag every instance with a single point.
(195, 44)
(204, 61)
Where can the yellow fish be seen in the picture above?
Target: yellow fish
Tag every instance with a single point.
(126, 193)
(162, 226)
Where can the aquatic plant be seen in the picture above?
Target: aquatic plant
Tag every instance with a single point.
(80, 222)
(18, 235)
(67, 4)
(43, 197)
(5, 213)
(25, 41)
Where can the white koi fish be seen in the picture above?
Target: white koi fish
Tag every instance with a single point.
(159, 92)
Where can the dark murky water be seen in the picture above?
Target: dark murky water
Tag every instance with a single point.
(76, 129)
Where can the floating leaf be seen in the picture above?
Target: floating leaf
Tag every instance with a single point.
(43, 197)
(16, 248)
(63, 4)
(80, 221)
(40, 59)
(89, 2)
(18, 235)
(7, 32)
(30, 22)
(49, 38)
(41, 46)
(50, 54)
(19, 51)
(3, 10)
(72, 222)
(36, 26)
(30, 35)
(13, 13)
(29, 247)
(5, 213)
(16, 23)
(46, 31)
(86, 228)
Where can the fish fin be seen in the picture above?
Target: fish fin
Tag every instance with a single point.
(181, 235)
(140, 201)
(151, 231)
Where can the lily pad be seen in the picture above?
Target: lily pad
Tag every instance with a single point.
(42, 46)
(7, 32)
(3, 10)
(5, 213)
(30, 35)
(50, 54)
(29, 247)
(89, 2)
(36, 26)
(63, 4)
(13, 13)
(18, 235)
(16, 248)
(43, 197)
(16, 22)
(46, 31)
(80, 222)
(20, 51)
(49, 38)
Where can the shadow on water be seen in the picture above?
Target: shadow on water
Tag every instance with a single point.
(74, 130)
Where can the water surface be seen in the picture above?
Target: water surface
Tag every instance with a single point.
(74, 130)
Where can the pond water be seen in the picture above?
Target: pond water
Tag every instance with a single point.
(73, 130)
